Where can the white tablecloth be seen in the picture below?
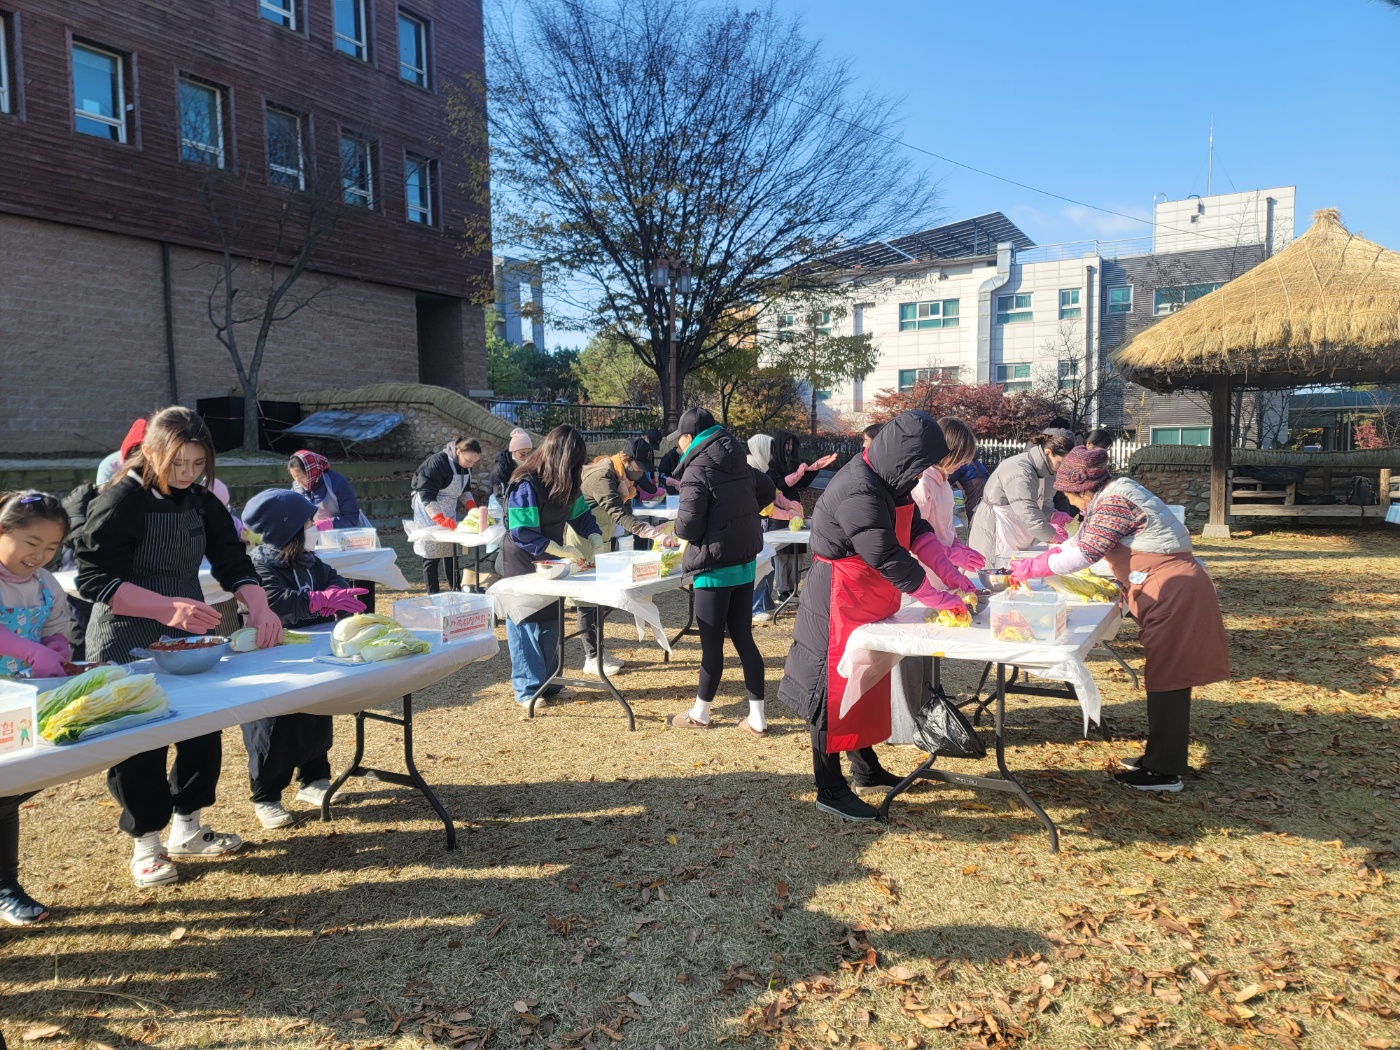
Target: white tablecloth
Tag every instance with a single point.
(664, 511)
(906, 634)
(241, 688)
(787, 537)
(520, 596)
(378, 564)
(436, 533)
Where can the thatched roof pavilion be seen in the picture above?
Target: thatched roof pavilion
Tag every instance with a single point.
(1325, 310)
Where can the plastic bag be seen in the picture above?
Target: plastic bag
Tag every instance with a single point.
(941, 729)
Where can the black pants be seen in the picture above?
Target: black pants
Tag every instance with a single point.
(1168, 732)
(9, 837)
(718, 609)
(430, 574)
(147, 797)
(298, 742)
(588, 623)
(826, 769)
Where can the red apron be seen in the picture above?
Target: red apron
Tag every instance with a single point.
(859, 595)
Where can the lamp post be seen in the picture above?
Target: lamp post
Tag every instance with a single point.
(675, 275)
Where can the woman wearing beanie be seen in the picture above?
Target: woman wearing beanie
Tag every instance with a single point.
(510, 457)
(1168, 592)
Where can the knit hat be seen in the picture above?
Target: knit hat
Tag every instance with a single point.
(520, 441)
(278, 515)
(1083, 469)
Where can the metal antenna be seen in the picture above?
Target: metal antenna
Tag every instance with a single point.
(1210, 164)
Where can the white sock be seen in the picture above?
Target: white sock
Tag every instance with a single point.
(701, 712)
(757, 718)
(147, 845)
(184, 827)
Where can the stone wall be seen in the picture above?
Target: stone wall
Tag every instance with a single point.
(1182, 485)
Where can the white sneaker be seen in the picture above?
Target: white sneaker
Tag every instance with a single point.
(314, 793)
(611, 664)
(206, 842)
(762, 617)
(272, 815)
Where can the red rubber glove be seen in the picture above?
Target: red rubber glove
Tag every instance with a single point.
(469, 502)
(43, 662)
(964, 557)
(930, 596)
(444, 521)
(58, 644)
(325, 524)
(933, 554)
(1023, 569)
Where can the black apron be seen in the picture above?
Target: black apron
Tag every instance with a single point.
(167, 562)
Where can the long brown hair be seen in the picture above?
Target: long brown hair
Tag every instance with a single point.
(961, 441)
(556, 465)
(169, 430)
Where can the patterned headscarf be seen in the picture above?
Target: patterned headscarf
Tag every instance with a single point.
(314, 465)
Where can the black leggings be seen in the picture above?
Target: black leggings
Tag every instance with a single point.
(430, 574)
(718, 609)
(1168, 732)
(9, 838)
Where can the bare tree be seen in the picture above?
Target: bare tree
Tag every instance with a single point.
(268, 226)
(1080, 381)
(630, 130)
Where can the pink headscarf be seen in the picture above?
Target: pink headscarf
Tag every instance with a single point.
(934, 498)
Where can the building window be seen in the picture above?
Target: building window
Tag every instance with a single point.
(1014, 379)
(279, 12)
(357, 172)
(790, 325)
(1170, 300)
(413, 49)
(1013, 309)
(910, 377)
(5, 104)
(352, 29)
(201, 123)
(937, 313)
(1181, 435)
(1120, 300)
(418, 188)
(1069, 374)
(99, 96)
(286, 149)
(1069, 304)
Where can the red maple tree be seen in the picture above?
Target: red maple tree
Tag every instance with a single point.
(989, 410)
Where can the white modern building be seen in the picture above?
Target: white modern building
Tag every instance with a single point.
(977, 302)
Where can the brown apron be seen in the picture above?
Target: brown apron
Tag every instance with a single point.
(1179, 622)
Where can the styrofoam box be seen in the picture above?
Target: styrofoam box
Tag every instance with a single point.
(19, 721)
(1043, 612)
(450, 616)
(629, 566)
(1392, 515)
(348, 540)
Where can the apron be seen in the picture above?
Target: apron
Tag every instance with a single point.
(1183, 636)
(859, 595)
(167, 562)
(26, 621)
(1011, 535)
(449, 496)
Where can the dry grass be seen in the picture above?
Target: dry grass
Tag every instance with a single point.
(680, 890)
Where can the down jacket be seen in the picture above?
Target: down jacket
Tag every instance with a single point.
(1025, 485)
(721, 496)
(602, 488)
(856, 516)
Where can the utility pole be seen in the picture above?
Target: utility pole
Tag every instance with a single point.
(672, 274)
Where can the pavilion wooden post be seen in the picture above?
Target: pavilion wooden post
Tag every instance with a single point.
(1218, 524)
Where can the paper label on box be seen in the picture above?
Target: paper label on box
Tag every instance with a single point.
(646, 570)
(16, 729)
(460, 625)
(358, 543)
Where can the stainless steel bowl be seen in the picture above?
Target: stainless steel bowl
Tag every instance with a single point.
(996, 582)
(187, 661)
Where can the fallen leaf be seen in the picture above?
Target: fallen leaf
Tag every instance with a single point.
(178, 933)
(781, 888)
(671, 839)
(639, 998)
(47, 1031)
(521, 1006)
(1247, 993)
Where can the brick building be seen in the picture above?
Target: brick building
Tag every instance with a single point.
(136, 138)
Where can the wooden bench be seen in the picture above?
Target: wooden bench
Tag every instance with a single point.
(1250, 489)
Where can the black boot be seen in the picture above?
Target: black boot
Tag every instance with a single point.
(845, 804)
(876, 781)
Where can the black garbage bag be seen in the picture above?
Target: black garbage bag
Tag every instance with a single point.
(943, 730)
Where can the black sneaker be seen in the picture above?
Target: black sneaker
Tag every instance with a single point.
(1146, 780)
(19, 908)
(845, 805)
(878, 782)
(1130, 763)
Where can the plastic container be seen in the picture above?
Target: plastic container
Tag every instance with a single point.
(448, 617)
(1028, 616)
(673, 503)
(19, 721)
(629, 566)
(348, 540)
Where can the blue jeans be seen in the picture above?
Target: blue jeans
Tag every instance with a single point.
(763, 595)
(534, 647)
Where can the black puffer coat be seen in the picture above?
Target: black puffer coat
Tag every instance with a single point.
(856, 516)
(721, 496)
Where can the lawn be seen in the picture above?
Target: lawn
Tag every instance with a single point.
(670, 889)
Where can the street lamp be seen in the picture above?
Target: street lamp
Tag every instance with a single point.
(675, 275)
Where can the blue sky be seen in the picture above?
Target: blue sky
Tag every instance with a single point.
(1110, 103)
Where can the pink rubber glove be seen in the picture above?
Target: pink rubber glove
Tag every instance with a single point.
(336, 600)
(930, 596)
(1023, 569)
(185, 614)
(933, 554)
(325, 524)
(1061, 518)
(673, 483)
(964, 557)
(796, 476)
(43, 662)
(58, 644)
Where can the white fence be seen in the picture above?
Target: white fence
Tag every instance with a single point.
(993, 452)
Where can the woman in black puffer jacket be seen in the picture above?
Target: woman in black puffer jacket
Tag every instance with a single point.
(720, 519)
